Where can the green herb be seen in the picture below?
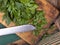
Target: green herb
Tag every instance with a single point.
(23, 12)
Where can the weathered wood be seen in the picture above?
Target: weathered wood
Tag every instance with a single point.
(50, 15)
(52, 40)
(58, 23)
(55, 3)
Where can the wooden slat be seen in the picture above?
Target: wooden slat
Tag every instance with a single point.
(50, 15)
(58, 23)
(52, 40)
(55, 3)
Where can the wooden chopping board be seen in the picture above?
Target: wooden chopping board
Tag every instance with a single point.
(50, 14)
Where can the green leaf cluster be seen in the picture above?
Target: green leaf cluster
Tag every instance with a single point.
(23, 12)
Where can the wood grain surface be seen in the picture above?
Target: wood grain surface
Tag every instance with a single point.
(55, 3)
(58, 23)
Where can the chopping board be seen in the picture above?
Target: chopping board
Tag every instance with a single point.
(50, 14)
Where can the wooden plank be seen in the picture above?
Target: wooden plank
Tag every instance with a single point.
(55, 3)
(58, 23)
(52, 40)
(49, 15)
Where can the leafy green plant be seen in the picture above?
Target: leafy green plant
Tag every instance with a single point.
(23, 12)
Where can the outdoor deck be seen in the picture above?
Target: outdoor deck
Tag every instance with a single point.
(52, 40)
